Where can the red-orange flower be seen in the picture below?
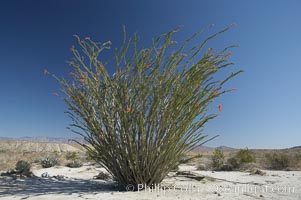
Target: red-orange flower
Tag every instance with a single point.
(228, 55)
(46, 72)
(56, 94)
(233, 24)
(87, 38)
(72, 48)
(220, 107)
(209, 49)
(215, 92)
(82, 79)
(109, 42)
(128, 109)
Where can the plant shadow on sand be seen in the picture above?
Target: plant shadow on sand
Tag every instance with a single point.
(40, 186)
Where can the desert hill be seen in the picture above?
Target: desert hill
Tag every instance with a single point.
(28, 146)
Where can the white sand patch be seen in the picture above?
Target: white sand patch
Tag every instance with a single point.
(85, 172)
(278, 185)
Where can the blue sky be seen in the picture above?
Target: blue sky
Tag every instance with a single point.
(263, 113)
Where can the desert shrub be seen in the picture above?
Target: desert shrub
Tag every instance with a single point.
(47, 162)
(245, 156)
(22, 170)
(88, 156)
(277, 161)
(226, 167)
(233, 162)
(22, 167)
(103, 176)
(71, 155)
(75, 164)
(142, 117)
(217, 159)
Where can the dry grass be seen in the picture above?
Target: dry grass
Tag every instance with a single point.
(294, 156)
(10, 156)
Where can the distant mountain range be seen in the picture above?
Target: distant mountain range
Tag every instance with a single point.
(46, 139)
(296, 147)
(205, 148)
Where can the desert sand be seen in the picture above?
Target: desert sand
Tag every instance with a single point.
(79, 183)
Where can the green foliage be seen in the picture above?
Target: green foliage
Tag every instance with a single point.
(71, 155)
(226, 167)
(152, 110)
(233, 162)
(277, 161)
(75, 164)
(217, 159)
(22, 170)
(88, 156)
(22, 167)
(245, 156)
(47, 162)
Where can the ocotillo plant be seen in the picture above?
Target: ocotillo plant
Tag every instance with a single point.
(141, 119)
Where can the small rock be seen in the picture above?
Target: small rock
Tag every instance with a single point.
(45, 175)
(59, 177)
(103, 176)
(258, 172)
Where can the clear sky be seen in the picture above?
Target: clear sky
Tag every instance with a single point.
(263, 113)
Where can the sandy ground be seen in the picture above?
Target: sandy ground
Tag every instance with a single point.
(78, 183)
